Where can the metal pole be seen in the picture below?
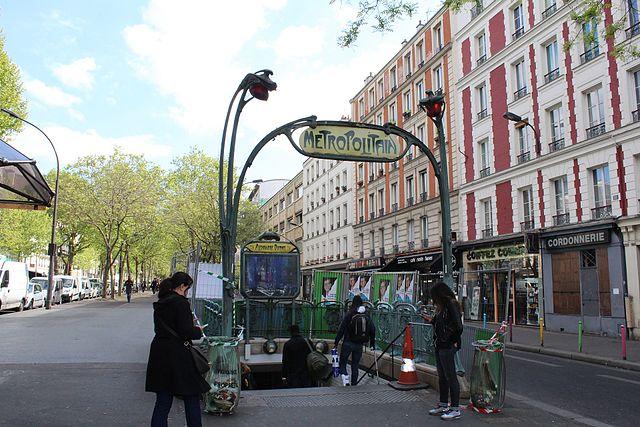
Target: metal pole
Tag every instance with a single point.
(579, 336)
(195, 274)
(445, 205)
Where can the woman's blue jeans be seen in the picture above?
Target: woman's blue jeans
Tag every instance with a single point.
(164, 399)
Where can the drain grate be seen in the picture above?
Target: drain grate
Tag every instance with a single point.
(335, 399)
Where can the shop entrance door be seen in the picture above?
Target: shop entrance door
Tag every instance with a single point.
(589, 291)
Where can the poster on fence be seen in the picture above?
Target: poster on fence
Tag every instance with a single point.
(359, 284)
(383, 285)
(327, 286)
(405, 287)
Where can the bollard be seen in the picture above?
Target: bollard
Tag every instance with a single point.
(541, 325)
(623, 332)
(579, 336)
(510, 329)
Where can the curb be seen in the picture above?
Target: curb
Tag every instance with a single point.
(582, 357)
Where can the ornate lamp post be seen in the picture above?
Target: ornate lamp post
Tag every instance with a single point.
(516, 118)
(258, 85)
(52, 243)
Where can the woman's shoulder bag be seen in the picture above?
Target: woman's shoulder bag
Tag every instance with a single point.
(199, 359)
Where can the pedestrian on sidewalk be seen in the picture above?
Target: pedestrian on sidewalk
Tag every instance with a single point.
(128, 286)
(294, 360)
(357, 329)
(154, 285)
(171, 370)
(447, 333)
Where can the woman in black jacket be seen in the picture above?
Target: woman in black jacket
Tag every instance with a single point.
(171, 370)
(447, 332)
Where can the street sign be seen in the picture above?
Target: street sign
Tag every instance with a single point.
(271, 247)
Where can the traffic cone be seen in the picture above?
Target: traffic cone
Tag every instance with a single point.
(408, 376)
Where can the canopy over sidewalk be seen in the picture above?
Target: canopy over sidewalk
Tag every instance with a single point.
(22, 186)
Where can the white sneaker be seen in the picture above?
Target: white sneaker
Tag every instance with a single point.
(451, 414)
(346, 380)
(439, 410)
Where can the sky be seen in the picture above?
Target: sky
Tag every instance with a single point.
(155, 77)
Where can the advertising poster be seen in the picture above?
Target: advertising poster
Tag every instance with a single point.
(475, 303)
(271, 275)
(383, 286)
(409, 288)
(359, 284)
(327, 286)
(399, 294)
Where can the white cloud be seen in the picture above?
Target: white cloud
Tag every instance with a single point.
(72, 144)
(299, 42)
(66, 22)
(50, 95)
(76, 115)
(77, 74)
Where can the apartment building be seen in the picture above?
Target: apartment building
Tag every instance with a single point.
(282, 213)
(397, 205)
(568, 180)
(328, 214)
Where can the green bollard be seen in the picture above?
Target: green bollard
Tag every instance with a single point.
(579, 336)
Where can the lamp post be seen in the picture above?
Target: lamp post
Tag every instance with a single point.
(258, 85)
(52, 243)
(517, 119)
(434, 106)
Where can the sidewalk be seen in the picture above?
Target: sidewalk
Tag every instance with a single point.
(595, 348)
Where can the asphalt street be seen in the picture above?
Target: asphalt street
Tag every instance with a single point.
(84, 364)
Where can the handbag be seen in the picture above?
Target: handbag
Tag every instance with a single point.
(199, 359)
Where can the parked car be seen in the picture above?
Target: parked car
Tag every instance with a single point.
(96, 287)
(70, 288)
(13, 285)
(44, 283)
(86, 291)
(35, 296)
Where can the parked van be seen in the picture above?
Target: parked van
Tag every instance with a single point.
(86, 290)
(70, 288)
(13, 285)
(44, 282)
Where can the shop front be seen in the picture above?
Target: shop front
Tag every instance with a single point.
(584, 278)
(500, 279)
(427, 265)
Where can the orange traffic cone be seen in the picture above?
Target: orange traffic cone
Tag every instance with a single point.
(408, 376)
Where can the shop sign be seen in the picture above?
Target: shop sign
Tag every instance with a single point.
(366, 263)
(351, 143)
(410, 259)
(271, 247)
(586, 238)
(493, 254)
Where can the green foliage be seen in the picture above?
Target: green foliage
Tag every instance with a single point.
(23, 232)
(10, 94)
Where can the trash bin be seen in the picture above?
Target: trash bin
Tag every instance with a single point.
(488, 376)
(224, 377)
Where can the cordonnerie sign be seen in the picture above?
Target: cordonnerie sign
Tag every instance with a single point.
(350, 143)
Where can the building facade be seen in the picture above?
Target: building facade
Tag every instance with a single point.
(397, 205)
(282, 213)
(549, 213)
(327, 214)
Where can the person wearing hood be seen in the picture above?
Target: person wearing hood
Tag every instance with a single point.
(171, 370)
(357, 329)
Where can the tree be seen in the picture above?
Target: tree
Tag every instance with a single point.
(23, 233)
(10, 94)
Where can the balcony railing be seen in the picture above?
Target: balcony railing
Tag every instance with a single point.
(411, 245)
(481, 60)
(556, 144)
(601, 212)
(425, 243)
(396, 249)
(487, 232)
(636, 115)
(372, 253)
(344, 255)
(410, 201)
(381, 212)
(590, 54)
(552, 75)
(485, 172)
(476, 10)
(561, 219)
(519, 33)
(633, 30)
(420, 64)
(409, 157)
(549, 11)
(372, 177)
(361, 219)
(361, 254)
(372, 215)
(520, 93)
(345, 221)
(338, 256)
(423, 196)
(524, 157)
(380, 172)
(527, 225)
(394, 207)
(393, 88)
(596, 130)
(482, 114)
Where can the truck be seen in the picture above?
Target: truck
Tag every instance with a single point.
(13, 285)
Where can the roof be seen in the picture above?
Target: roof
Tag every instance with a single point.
(21, 183)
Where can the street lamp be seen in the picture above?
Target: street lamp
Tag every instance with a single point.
(434, 105)
(517, 119)
(52, 243)
(258, 84)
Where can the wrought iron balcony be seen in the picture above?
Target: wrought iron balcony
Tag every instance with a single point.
(420, 64)
(423, 196)
(381, 212)
(481, 60)
(331, 227)
(394, 207)
(633, 30)
(520, 93)
(345, 221)
(549, 11)
(485, 172)
(487, 232)
(476, 10)
(601, 212)
(361, 219)
(411, 245)
(636, 115)
(527, 225)
(524, 157)
(561, 219)
(482, 114)
(410, 201)
(556, 144)
(372, 215)
(372, 252)
(519, 33)
(409, 157)
(590, 54)
(425, 243)
(407, 76)
(396, 249)
(552, 75)
(372, 177)
(596, 130)
(380, 172)
(338, 225)
(393, 88)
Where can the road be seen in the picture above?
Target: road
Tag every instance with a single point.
(84, 364)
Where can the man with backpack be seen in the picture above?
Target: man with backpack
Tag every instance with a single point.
(358, 330)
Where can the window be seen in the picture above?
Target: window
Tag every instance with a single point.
(482, 101)
(553, 69)
(338, 216)
(421, 133)
(360, 172)
(394, 234)
(557, 125)
(419, 90)
(524, 144)
(382, 241)
(282, 204)
(409, 190)
(338, 182)
(379, 119)
(289, 198)
(372, 240)
(393, 118)
(527, 209)
(636, 83)
(344, 213)
(483, 151)
(372, 98)
(520, 79)
(394, 79)
(345, 183)
(601, 192)
(345, 246)
(410, 233)
(437, 39)
(407, 65)
(407, 101)
(518, 21)
(423, 185)
(381, 201)
(424, 231)
(481, 42)
(595, 113)
(394, 196)
(361, 107)
(372, 205)
(381, 89)
(361, 208)
(590, 38)
(420, 51)
(437, 78)
(561, 198)
(488, 218)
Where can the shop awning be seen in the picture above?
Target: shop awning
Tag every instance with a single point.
(22, 186)
(426, 262)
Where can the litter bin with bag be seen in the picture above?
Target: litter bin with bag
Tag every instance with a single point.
(224, 377)
(488, 374)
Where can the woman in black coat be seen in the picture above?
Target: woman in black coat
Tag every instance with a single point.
(171, 370)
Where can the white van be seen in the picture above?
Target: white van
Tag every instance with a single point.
(86, 290)
(70, 287)
(13, 285)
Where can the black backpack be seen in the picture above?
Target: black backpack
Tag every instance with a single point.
(359, 328)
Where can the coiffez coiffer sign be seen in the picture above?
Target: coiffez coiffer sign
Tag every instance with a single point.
(351, 143)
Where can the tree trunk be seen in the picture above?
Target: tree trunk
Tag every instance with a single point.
(135, 260)
(129, 265)
(107, 270)
(120, 268)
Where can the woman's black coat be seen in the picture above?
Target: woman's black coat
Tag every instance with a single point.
(171, 367)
